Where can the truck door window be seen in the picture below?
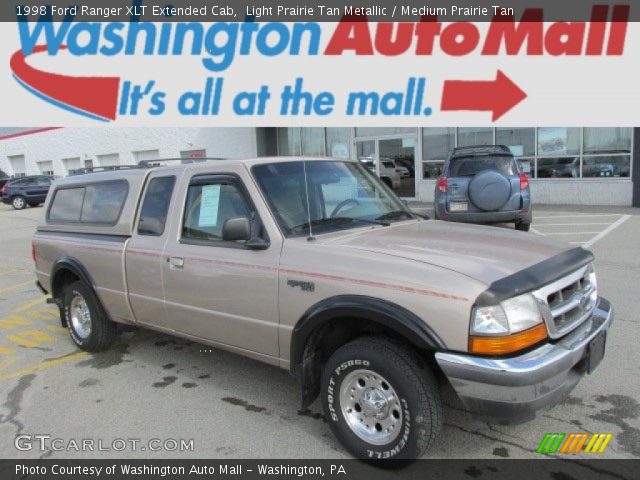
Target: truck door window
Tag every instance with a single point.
(153, 214)
(208, 206)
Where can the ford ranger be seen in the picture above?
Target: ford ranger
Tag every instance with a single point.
(315, 266)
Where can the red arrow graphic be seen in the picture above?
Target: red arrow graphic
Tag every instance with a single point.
(498, 96)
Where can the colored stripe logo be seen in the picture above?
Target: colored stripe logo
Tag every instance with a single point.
(573, 443)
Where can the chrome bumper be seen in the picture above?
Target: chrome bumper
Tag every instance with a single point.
(512, 390)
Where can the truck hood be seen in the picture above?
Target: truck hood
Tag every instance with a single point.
(484, 253)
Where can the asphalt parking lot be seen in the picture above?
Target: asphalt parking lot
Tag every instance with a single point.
(151, 386)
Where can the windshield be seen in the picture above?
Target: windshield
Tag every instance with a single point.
(472, 165)
(340, 194)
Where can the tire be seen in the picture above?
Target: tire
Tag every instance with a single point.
(411, 414)
(18, 202)
(489, 190)
(387, 182)
(88, 325)
(523, 227)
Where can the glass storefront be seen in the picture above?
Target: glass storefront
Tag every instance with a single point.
(403, 157)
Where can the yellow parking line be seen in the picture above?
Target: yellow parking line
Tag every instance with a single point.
(7, 363)
(17, 285)
(27, 306)
(44, 365)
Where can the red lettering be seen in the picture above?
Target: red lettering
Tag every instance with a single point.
(351, 35)
(618, 31)
(459, 38)
(530, 29)
(565, 38)
(387, 45)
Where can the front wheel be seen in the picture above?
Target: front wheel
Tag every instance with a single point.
(18, 202)
(379, 402)
(88, 325)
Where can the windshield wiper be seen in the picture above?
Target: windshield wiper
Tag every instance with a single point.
(395, 214)
(338, 221)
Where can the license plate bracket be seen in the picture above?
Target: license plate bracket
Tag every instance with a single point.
(596, 351)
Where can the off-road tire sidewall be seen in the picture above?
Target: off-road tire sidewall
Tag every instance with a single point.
(415, 435)
(102, 329)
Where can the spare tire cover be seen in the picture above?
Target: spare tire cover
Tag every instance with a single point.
(489, 190)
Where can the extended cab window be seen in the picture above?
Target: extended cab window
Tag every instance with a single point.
(67, 205)
(91, 203)
(155, 206)
(209, 204)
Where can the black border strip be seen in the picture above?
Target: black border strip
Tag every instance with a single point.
(535, 276)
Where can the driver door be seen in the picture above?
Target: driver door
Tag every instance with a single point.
(220, 290)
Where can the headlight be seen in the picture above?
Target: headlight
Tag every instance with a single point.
(512, 325)
(510, 316)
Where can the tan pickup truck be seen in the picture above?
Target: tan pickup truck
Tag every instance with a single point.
(314, 266)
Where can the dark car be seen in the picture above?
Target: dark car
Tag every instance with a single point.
(4, 178)
(23, 191)
(483, 184)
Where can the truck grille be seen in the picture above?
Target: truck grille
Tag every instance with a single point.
(569, 301)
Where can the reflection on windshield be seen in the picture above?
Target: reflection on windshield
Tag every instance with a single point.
(340, 195)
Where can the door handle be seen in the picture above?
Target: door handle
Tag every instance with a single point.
(176, 262)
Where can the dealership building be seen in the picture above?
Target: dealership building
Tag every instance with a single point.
(566, 165)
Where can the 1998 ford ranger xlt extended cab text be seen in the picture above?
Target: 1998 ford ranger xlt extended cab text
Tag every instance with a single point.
(313, 265)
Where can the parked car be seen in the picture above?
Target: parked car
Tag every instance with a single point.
(312, 265)
(389, 173)
(559, 167)
(4, 178)
(483, 184)
(22, 191)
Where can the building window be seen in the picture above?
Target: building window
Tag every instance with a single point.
(109, 160)
(558, 141)
(145, 155)
(475, 136)
(381, 131)
(45, 167)
(339, 142)
(289, 141)
(18, 165)
(607, 140)
(437, 143)
(71, 165)
(313, 142)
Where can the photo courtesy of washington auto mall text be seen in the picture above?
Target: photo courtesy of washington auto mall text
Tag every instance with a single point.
(337, 240)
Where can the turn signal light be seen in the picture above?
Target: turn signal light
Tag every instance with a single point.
(442, 185)
(524, 181)
(508, 343)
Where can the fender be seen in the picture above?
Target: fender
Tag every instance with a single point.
(72, 264)
(305, 365)
(382, 312)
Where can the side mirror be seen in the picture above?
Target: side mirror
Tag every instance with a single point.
(243, 229)
(235, 229)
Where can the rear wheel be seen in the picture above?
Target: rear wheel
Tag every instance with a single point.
(88, 325)
(379, 402)
(523, 227)
(18, 202)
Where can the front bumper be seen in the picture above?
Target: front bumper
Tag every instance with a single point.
(512, 390)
